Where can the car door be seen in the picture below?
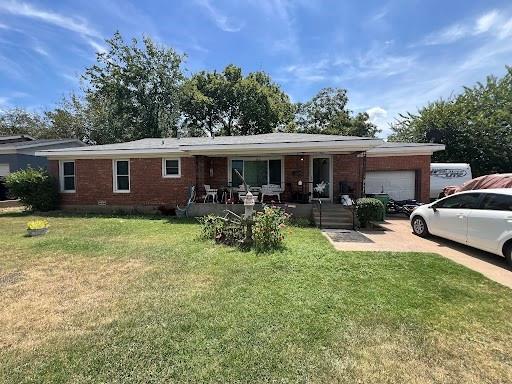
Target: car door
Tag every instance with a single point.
(488, 225)
(450, 216)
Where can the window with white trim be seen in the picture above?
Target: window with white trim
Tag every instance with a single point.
(171, 167)
(67, 176)
(122, 176)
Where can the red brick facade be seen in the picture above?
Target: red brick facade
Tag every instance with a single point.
(94, 181)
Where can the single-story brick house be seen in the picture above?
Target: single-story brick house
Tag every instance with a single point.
(149, 173)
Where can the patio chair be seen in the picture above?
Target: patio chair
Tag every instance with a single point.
(210, 192)
(242, 192)
(271, 190)
(183, 212)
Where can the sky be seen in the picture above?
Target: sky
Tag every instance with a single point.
(392, 56)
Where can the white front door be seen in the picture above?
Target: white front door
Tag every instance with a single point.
(321, 173)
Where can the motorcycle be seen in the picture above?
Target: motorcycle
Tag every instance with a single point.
(405, 207)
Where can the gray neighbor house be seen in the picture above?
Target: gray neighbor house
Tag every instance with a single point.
(19, 152)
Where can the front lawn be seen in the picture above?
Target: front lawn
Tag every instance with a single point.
(125, 299)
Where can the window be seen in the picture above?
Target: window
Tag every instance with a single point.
(67, 176)
(171, 168)
(497, 202)
(239, 166)
(257, 172)
(122, 176)
(464, 201)
(274, 172)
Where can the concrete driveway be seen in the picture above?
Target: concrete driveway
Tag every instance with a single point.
(398, 237)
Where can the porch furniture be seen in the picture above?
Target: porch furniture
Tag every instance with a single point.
(242, 192)
(183, 212)
(271, 190)
(210, 192)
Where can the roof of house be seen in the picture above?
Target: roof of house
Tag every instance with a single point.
(13, 147)
(397, 148)
(226, 145)
(15, 138)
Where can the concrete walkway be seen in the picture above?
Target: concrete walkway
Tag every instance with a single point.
(399, 238)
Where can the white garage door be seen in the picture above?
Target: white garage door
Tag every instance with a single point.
(4, 169)
(400, 185)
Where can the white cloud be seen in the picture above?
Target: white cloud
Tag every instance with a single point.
(446, 35)
(222, 21)
(378, 116)
(506, 29)
(73, 24)
(491, 22)
(41, 51)
(486, 22)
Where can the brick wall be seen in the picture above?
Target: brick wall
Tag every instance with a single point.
(147, 186)
(348, 169)
(418, 163)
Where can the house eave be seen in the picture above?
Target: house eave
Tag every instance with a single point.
(348, 146)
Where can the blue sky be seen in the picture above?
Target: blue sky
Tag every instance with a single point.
(392, 56)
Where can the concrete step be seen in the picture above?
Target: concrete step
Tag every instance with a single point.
(334, 216)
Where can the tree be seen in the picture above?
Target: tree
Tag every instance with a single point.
(228, 103)
(132, 91)
(475, 126)
(71, 119)
(327, 113)
(18, 121)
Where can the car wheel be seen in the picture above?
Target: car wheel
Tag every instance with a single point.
(508, 254)
(419, 227)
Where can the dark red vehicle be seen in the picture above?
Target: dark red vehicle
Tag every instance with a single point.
(498, 180)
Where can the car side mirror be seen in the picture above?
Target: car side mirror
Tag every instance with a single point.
(434, 208)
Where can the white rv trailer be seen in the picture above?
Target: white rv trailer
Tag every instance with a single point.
(446, 174)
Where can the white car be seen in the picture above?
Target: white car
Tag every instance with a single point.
(480, 218)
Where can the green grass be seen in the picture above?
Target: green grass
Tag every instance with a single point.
(130, 299)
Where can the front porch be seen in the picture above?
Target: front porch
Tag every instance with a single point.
(293, 179)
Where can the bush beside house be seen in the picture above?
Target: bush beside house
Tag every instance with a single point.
(369, 209)
(35, 188)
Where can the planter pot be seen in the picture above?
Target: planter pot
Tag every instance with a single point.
(36, 232)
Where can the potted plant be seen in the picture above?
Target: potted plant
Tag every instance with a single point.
(37, 227)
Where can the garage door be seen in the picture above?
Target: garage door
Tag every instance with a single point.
(4, 169)
(400, 185)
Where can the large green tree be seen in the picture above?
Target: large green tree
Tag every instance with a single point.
(18, 121)
(133, 91)
(227, 103)
(327, 113)
(475, 126)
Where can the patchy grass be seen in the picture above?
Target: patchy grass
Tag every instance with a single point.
(127, 299)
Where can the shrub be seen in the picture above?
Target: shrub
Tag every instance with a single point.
(34, 187)
(37, 224)
(369, 209)
(268, 228)
(222, 230)
(300, 222)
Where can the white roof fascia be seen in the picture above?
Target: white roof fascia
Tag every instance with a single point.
(219, 149)
(427, 149)
(97, 154)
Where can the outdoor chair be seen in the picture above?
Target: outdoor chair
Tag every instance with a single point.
(242, 192)
(183, 212)
(210, 192)
(271, 190)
